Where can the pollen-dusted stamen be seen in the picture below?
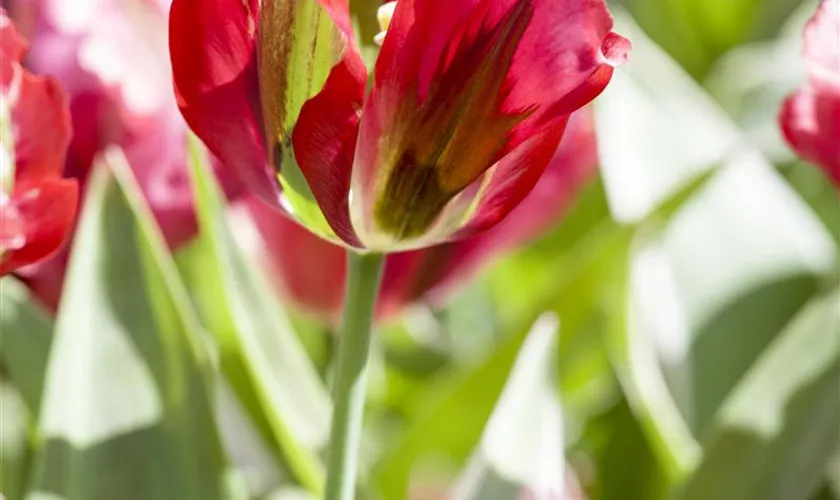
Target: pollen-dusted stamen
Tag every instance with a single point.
(384, 15)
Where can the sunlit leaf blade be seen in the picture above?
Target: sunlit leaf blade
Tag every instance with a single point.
(644, 385)
(747, 83)
(25, 337)
(720, 279)
(657, 130)
(696, 32)
(781, 425)
(623, 458)
(460, 405)
(727, 273)
(126, 411)
(522, 448)
(260, 354)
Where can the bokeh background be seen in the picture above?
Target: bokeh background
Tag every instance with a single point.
(675, 336)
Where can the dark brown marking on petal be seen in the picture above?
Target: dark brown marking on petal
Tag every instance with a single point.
(274, 49)
(458, 131)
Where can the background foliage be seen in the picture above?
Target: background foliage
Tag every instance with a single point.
(676, 337)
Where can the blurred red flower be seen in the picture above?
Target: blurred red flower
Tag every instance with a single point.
(810, 118)
(468, 101)
(111, 56)
(37, 205)
(309, 271)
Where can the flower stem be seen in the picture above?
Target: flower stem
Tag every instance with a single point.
(363, 275)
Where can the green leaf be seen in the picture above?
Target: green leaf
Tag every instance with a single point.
(14, 441)
(657, 130)
(747, 83)
(260, 353)
(457, 408)
(644, 386)
(522, 447)
(613, 440)
(780, 426)
(25, 337)
(742, 254)
(127, 412)
(696, 32)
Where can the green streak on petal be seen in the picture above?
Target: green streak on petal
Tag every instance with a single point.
(299, 45)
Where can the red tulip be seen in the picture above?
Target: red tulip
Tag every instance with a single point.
(309, 271)
(112, 57)
(37, 206)
(468, 101)
(810, 118)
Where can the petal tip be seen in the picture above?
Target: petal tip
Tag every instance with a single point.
(615, 49)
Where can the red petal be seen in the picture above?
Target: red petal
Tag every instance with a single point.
(563, 54)
(12, 44)
(513, 178)
(430, 274)
(573, 164)
(565, 44)
(811, 124)
(41, 119)
(822, 46)
(45, 279)
(810, 118)
(212, 46)
(324, 140)
(35, 222)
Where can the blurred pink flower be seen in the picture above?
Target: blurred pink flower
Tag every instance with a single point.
(112, 57)
(810, 118)
(309, 272)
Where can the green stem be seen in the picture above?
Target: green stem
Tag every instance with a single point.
(363, 275)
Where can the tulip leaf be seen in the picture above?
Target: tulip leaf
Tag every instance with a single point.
(126, 411)
(460, 406)
(260, 353)
(742, 255)
(697, 32)
(25, 337)
(299, 45)
(571, 264)
(657, 130)
(14, 440)
(780, 426)
(522, 448)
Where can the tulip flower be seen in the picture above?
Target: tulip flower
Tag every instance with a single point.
(429, 274)
(112, 57)
(810, 118)
(37, 206)
(467, 103)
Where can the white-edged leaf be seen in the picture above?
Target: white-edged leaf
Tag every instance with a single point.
(260, 353)
(127, 412)
(779, 428)
(657, 129)
(739, 258)
(25, 337)
(14, 440)
(522, 447)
